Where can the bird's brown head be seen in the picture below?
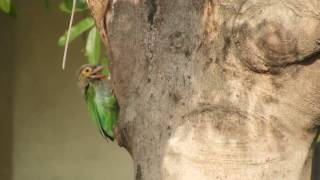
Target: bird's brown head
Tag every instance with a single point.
(89, 73)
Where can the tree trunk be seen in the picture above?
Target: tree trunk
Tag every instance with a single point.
(212, 89)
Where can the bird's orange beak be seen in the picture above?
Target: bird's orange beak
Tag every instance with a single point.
(97, 73)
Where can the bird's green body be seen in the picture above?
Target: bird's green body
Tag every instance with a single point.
(102, 106)
(97, 92)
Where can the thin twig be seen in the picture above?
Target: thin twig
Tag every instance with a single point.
(68, 35)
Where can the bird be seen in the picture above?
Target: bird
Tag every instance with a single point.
(98, 94)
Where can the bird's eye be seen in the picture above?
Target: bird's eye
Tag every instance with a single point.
(86, 71)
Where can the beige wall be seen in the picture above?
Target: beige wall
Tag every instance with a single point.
(46, 133)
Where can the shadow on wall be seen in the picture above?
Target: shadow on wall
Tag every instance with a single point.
(6, 106)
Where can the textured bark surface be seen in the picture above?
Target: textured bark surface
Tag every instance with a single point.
(213, 89)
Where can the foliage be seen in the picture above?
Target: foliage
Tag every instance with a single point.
(93, 46)
(5, 5)
(66, 6)
(83, 27)
(77, 30)
(93, 42)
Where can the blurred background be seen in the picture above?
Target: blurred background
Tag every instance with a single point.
(46, 132)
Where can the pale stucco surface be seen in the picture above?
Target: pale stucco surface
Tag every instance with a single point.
(45, 130)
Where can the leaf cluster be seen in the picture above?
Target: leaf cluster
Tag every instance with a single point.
(85, 27)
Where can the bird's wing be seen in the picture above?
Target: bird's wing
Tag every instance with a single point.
(108, 109)
(112, 104)
(99, 114)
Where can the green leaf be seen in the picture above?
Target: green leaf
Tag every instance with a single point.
(12, 12)
(105, 63)
(5, 5)
(46, 4)
(93, 46)
(66, 6)
(77, 30)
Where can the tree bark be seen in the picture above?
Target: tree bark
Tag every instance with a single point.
(212, 89)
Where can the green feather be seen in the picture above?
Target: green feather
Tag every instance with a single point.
(103, 108)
